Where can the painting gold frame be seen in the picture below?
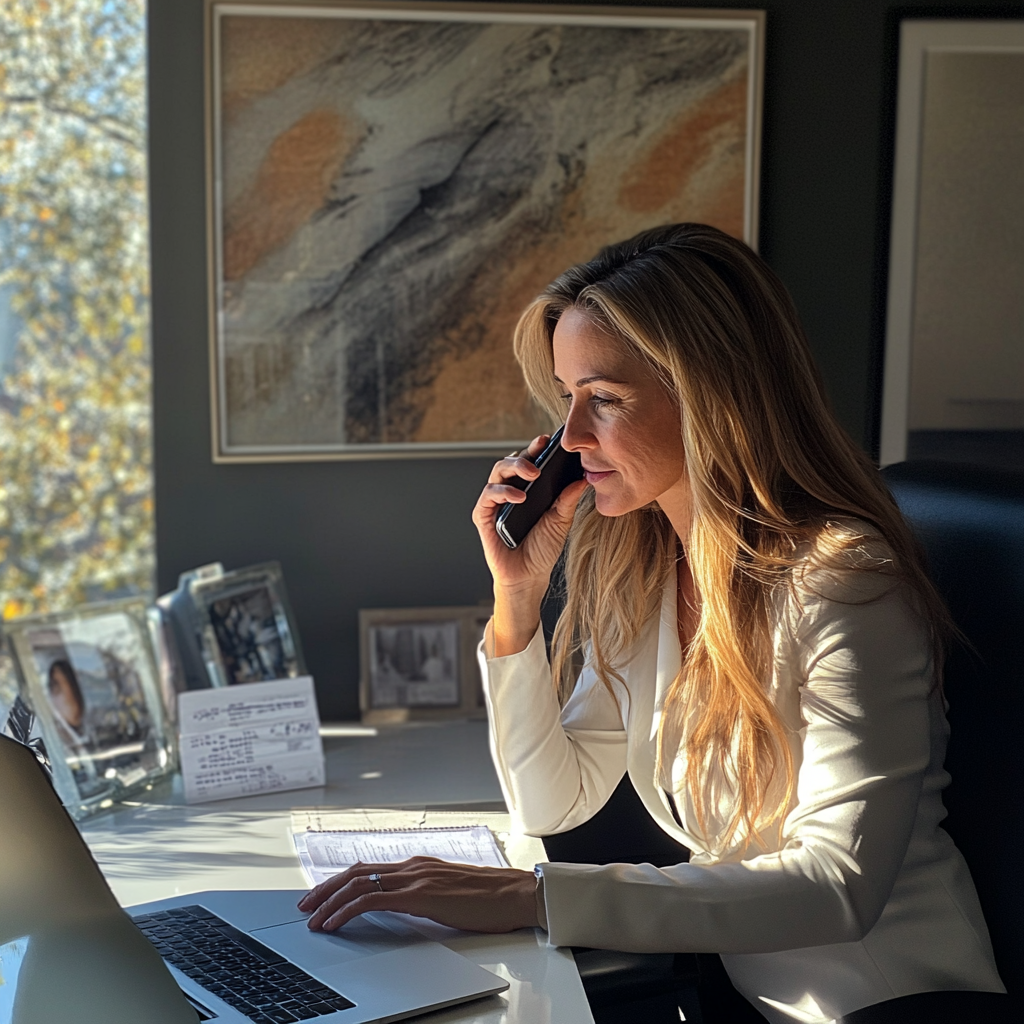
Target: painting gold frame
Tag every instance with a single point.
(389, 184)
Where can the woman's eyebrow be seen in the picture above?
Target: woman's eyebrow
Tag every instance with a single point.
(595, 377)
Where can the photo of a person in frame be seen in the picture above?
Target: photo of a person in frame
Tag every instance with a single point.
(415, 665)
(248, 636)
(67, 703)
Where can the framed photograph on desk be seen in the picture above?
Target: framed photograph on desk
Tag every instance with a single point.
(391, 183)
(91, 678)
(420, 663)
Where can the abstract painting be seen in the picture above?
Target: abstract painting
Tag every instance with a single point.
(390, 185)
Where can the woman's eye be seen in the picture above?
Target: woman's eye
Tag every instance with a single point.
(596, 401)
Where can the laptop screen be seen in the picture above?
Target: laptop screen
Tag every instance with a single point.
(67, 950)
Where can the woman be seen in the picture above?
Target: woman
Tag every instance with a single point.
(759, 643)
(68, 705)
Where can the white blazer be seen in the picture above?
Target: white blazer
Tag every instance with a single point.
(861, 897)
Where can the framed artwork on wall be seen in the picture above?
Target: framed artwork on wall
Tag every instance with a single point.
(91, 679)
(390, 184)
(420, 663)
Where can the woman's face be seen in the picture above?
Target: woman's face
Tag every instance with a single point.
(621, 420)
(63, 697)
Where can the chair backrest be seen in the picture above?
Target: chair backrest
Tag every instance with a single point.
(971, 522)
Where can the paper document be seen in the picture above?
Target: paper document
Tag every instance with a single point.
(251, 738)
(323, 854)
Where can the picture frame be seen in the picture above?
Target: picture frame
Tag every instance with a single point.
(954, 190)
(389, 185)
(246, 627)
(420, 664)
(170, 673)
(91, 679)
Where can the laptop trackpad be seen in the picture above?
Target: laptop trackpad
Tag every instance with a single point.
(359, 938)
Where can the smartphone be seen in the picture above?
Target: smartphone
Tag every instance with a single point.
(558, 469)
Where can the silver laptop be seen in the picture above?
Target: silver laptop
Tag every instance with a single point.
(68, 952)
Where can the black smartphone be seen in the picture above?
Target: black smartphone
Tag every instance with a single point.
(558, 469)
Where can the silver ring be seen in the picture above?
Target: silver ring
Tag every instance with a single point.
(375, 878)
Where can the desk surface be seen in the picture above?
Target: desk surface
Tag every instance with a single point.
(431, 774)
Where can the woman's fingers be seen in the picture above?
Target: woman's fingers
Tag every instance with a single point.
(565, 504)
(353, 895)
(529, 565)
(520, 464)
(319, 894)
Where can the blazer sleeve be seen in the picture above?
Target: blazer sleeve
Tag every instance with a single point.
(557, 766)
(867, 685)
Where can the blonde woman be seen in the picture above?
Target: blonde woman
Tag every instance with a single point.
(758, 643)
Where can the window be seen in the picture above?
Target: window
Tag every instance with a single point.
(76, 505)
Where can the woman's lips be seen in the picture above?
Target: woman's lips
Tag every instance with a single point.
(594, 476)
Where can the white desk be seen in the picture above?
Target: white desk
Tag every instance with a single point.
(435, 774)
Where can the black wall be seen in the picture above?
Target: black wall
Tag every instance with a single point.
(346, 532)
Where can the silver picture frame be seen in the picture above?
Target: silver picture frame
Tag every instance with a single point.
(90, 677)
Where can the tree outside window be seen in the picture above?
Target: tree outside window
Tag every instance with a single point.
(76, 505)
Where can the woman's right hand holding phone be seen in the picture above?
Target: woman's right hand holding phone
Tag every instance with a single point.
(521, 574)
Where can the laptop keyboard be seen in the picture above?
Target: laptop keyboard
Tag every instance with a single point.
(237, 968)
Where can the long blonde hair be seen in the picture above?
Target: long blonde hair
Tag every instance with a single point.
(769, 468)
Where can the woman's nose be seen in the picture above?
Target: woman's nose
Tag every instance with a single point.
(576, 436)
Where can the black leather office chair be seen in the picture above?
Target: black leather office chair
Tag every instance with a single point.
(971, 523)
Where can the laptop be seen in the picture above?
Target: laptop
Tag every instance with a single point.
(68, 952)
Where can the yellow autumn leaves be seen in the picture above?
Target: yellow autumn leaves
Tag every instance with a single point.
(76, 508)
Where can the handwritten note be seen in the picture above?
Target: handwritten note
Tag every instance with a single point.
(323, 854)
(247, 739)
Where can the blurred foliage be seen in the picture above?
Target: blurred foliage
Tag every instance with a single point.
(76, 506)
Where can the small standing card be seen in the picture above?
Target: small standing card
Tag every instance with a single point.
(248, 739)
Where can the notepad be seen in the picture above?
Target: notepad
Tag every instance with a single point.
(323, 854)
(248, 739)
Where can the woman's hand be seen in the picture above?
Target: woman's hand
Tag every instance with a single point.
(476, 899)
(521, 574)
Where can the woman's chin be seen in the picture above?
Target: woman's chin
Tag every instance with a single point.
(611, 505)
